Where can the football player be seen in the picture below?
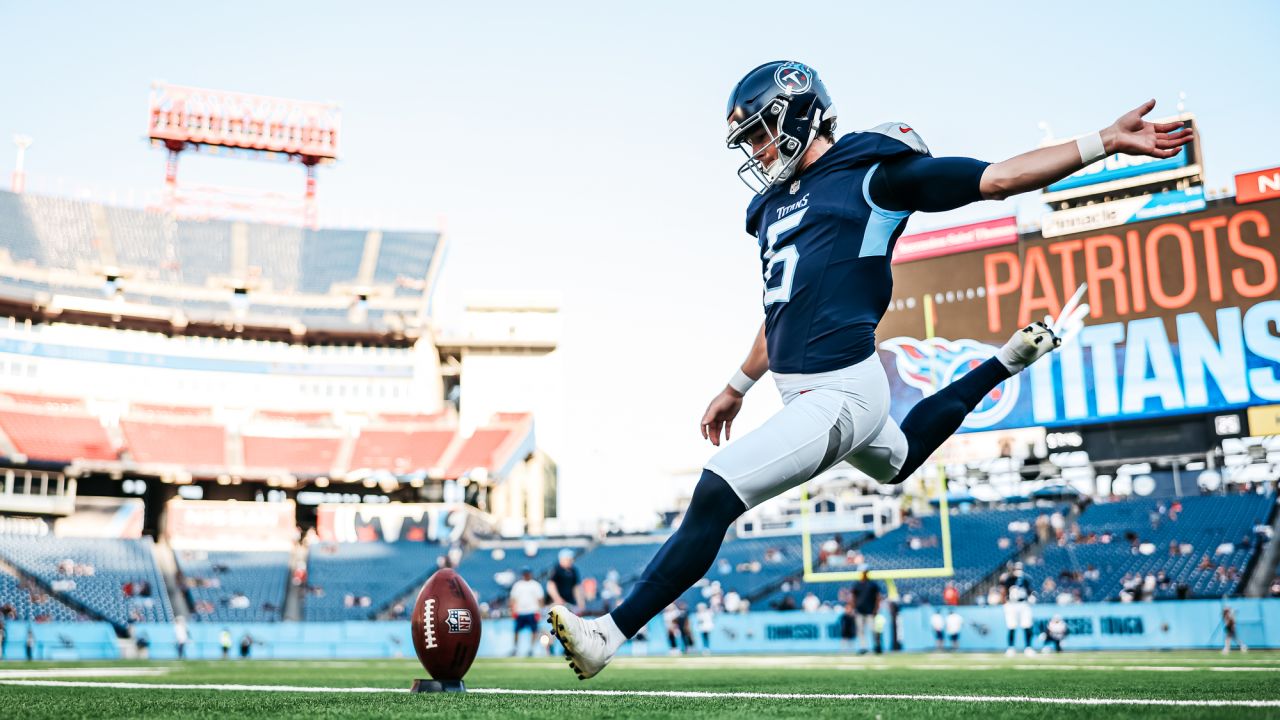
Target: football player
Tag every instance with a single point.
(1017, 608)
(826, 214)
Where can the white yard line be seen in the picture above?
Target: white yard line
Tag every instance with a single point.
(685, 694)
(72, 672)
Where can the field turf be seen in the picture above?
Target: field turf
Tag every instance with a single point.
(1150, 685)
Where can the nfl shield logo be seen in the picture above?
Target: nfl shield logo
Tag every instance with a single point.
(459, 621)
(795, 187)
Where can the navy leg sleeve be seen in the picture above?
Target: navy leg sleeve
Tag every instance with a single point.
(685, 557)
(938, 416)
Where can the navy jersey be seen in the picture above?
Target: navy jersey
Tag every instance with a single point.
(1018, 589)
(825, 246)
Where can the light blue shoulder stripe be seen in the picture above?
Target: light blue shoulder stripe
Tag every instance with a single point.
(881, 223)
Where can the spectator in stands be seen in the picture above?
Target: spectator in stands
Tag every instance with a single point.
(732, 602)
(1229, 631)
(1059, 525)
(866, 601)
(7, 611)
(239, 601)
(224, 639)
(1042, 528)
(951, 594)
(1275, 587)
(180, 636)
(565, 585)
(2, 633)
(143, 643)
(811, 603)
(526, 601)
(706, 620)
(246, 645)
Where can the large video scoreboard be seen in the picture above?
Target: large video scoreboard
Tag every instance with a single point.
(1185, 319)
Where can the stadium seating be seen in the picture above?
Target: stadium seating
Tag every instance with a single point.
(404, 255)
(202, 251)
(329, 257)
(491, 570)
(115, 578)
(401, 450)
(1216, 527)
(983, 542)
(300, 455)
(341, 575)
(32, 604)
(142, 243)
(214, 582)
(273, 255)
(188, 445)
(57, 435)
(62, 232)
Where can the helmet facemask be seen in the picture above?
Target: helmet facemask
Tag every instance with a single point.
(789, 148)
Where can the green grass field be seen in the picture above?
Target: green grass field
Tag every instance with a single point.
(1150, 685)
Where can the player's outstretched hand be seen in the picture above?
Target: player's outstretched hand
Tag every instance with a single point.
(1132, 135)
(720, 414)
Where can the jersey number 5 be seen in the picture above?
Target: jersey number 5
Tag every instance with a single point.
(785, 259)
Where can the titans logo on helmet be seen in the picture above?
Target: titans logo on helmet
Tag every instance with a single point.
(927, 365)
(793, 78)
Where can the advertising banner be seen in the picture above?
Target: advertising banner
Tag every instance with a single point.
(1259, 185)
(975, 236)
(1184, 317)
(1119, 167)
(418, 522)
(228, 525)
(1120, 212)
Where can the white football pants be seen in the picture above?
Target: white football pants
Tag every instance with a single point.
(828, 417)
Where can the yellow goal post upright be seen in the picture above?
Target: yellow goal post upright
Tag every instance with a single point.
(890, 575)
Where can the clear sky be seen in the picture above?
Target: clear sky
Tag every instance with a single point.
(577, 147)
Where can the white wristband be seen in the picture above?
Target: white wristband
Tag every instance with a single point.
(741, 382)
(1091, 148)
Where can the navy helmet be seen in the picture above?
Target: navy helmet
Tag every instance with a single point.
(780, 104)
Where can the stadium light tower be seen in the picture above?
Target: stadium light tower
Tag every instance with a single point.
(19, 181)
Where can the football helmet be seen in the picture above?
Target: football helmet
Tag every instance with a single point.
(780, 104)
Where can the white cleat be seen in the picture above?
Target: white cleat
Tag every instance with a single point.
(1029, 652)
(1040, 338)
(586, 644)
(1027, 346)
(1010, 652)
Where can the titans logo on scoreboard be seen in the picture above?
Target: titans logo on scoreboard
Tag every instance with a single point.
(458, 620)
(793, 78)
(928, 365)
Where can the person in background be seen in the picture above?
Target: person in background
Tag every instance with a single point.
(224, 640)
(2, 633)
(848, 627)
(31, 643)
(180, 636)
(706, 620)
(811, 603)
(939, 625)
(246, 646)
(1054, 633)
(1229, 630)
(143, 643)
(955, 623)
(951, 595)
(670, 620)
(526, 601)
(866, 602)
(565, 585)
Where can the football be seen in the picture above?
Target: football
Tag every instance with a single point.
(446, 626)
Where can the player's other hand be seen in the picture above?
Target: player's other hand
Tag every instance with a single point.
(720, 414)
(1132, 135)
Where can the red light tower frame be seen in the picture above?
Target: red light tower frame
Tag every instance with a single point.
(258, 126)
